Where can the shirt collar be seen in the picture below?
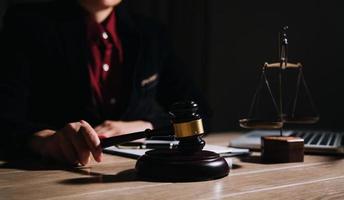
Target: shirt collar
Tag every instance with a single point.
(109, 25)
(95, 30)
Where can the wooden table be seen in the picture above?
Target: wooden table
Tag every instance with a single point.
(318, 177)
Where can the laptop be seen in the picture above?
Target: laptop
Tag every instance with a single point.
(315, 141)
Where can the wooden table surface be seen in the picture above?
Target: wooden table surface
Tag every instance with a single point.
(318, 177)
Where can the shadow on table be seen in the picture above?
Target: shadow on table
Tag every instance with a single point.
(88, 176)
(123, 176)
(34, 164)
(251, 159)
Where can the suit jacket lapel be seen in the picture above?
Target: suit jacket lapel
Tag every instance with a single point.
(132, 48)
(130, 38)
(72, 31)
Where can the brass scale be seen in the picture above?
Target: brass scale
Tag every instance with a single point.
(292, 118)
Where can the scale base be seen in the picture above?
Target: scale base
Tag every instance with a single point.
(282, 149)
(177, 166)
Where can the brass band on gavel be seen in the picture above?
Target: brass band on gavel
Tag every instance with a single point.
(187, 129)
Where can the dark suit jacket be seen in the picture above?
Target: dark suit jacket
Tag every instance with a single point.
(44, 80)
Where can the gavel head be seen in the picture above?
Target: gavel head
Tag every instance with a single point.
(188, 162)
(187, 125)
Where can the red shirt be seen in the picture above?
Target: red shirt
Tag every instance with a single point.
(105, 61)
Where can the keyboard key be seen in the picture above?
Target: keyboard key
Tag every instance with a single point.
(333, 139)
(316, 138)
(325, 139)
(307, 137)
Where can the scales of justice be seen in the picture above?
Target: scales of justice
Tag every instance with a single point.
(285, 90)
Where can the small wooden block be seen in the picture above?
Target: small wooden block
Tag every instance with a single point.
(282, 149)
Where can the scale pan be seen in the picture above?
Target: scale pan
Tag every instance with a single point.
(260, 124)
(301, 120)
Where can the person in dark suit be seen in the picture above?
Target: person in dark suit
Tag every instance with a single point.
(74, 72)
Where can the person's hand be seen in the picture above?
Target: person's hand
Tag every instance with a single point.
(112, 128)
(72, 144)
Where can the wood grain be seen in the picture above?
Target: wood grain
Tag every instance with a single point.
(318, 177)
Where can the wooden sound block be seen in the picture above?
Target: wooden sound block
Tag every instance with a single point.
(282, 149)
(176, 166)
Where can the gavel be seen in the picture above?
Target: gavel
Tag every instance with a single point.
(188, 162)
(187, 127)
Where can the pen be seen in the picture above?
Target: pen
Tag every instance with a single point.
(140, 145)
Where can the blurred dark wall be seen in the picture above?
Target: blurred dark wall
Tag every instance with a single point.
(244, 35)
(226, 42)
(3, 6)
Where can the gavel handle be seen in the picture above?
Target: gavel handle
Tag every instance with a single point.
(107, 142)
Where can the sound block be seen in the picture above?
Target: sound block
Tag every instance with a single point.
(177, 166)
(282, 149)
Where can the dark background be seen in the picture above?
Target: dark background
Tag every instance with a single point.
(226, 42)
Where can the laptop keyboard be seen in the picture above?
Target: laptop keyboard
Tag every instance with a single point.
(321, 138)
(315, 141)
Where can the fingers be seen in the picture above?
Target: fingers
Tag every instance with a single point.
(106, 127)
(107, 132)
(72, 144)
(103, 130)
(53, 149)
(100, 127)
(105, 124)
(77, 141)
(67, 149)
(101, 136)
(91, 139)
(109, 128)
